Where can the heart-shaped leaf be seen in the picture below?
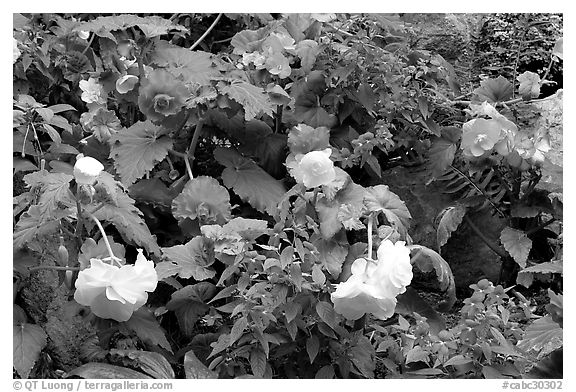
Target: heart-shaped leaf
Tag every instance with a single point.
(517, 244)
(28, 342)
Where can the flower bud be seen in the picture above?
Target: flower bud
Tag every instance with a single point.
(87, 170)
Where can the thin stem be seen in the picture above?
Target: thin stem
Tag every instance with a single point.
(548, 69)
(500, 252)
(370, 223)
(37, 140)
(278, 118)
(540, 227)
(188, 168)
(79, 223)
(195, 138)
(104, 237)
(89, 43)
(53, 267)
(207, 32)
(24, 142)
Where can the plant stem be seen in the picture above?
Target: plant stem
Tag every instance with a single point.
(192, 149)
(370, 223)
(278, 118)
(499, 251)
(53, 267)
(207, 32)
(89, 43)
(79, 224)
(104, 237)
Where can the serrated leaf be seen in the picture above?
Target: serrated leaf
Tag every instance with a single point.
(427, 260)
(203, 197)
(34, 223)
(28, 342)
(249, 181)
(192, 258)
(54, 189)
(441, 155)
(517, 244)
(542, 337)
(332, 254)
(128, 221)
(137, 149)
(450, 219)
(152, 363)
(253, 99)
(148, 329)
(526, 276)
(258, 362)
(494, 90)
(327, 314)
(99, 370)
(151, 26)
(194, 66)
(379, 198)
(104, 124)
(195, 369)
(312, 347)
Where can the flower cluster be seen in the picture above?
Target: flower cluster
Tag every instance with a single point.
(313, 169)
(116, 292)
(483, 136)
(374, 285)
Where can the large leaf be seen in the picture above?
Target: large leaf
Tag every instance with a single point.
(128, 221)
(450, 219)
(189, 260)
(28, 341)
(137, 149)
(410, 302)
(542, 337)
(194, 369)
(151, 26)
(517, 244)
(100, 370)
(427, 260)
(494, 90)
(147, 328)
(189, 304)
(249, 181)
(379, 198)
(441, 155)
(308, 110)
(54, 190)
(152, 363)
(194, 66)
(332, 253)
(258, 362)
(34, 223)
(526, 276)
(253, 99)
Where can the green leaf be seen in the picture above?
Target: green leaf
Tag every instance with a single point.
(100, 370)
(195, 369)
(411, 302)
(194, 66)
(192, 259)
(427, 260)
(450, 219)
(457, 360)
(137, 149)
(335, 214)
(92, 250)
(205, 199)
(366, 96)
(28, 342)
(327, 314)
(312, 347)
(379, 198)
(34, 223)
(153, 191)
(151, 26)
(104, 124)
(307, 109)
(517, 244)
(152, 363)
(237, 330)
(54, 189)
(253, 99)
(494, 90)
(441, 155)
(148, 329)
(417, 354)
(189, 304)
(258, 362)
(128, 221)
(362, 356)
(542, 337)
(325, 372)
(23, 165)
(62, 107)
(249, 181)
(526, 276)
(332, 253)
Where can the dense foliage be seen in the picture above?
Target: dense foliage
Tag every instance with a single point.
(206, 195)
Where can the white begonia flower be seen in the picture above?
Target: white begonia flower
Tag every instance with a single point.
(126, 83)
(92, 91)
(116, 292)
(314, 168)
(83, 34)
(16, 53)
(87, 170)
(373, 286)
